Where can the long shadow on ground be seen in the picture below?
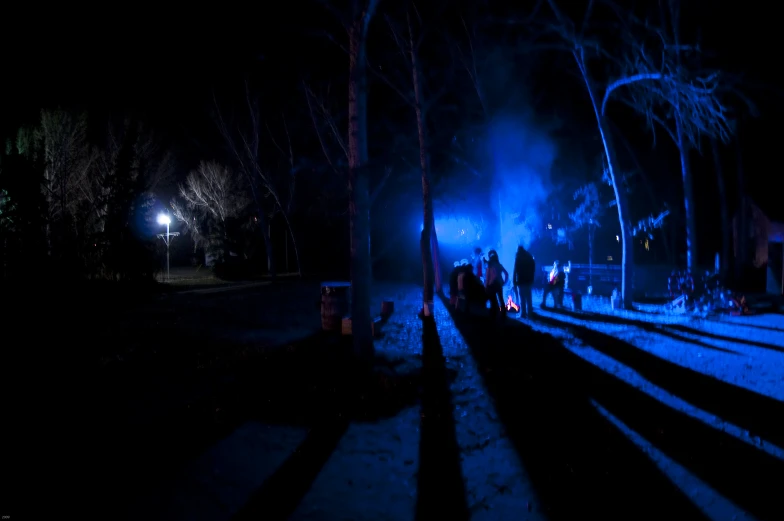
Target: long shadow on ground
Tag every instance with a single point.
(760, 414)
(664, 329)
(579, 463)
(441, 489)
(316, 383)
(737, 470)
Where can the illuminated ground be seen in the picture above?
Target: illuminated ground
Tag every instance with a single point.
(568, 416)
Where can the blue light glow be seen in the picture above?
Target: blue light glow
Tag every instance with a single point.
(456, 231)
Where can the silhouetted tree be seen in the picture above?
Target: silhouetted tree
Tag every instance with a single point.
(583, 49)
(408, 45)
(332, 141)
(245, 147)
(362, 12)
(665, 84)
(129, 166)
(23, 248)
(726, 233)
(587, 215)
(209, 200)
(356, 22)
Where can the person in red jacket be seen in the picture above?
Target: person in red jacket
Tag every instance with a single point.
(553, 285)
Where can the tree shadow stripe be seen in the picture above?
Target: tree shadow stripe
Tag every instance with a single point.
(578, 462)
(758, 413)
(441, 489)
(281, 493)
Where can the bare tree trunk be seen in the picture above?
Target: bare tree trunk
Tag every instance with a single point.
(725, 216)
(358, 185)
(688, 198)
(263, 226)
(436, 261)
(424, 164)
(646, 182)
(591, 230)
(741, 257)
(627, 245)
(293, 243)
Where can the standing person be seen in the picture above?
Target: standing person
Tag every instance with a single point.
(496, 278)
(673, 284)
(477, 264)
(465, 285)
(427, 308)
(453, 289)
(562, 284)
(552, 285)
(523, 277)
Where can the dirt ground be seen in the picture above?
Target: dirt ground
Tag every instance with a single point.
(228, 403)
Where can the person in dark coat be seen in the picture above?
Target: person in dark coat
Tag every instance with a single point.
(453, 284)
(496, 278)
(477, 264)
(522, 279)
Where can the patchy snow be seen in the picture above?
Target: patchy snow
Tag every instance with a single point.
(742, 354)
(350, 485)
(217, 484)
(373, 472)
(710, 502)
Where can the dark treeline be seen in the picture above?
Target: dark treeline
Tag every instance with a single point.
(266, 187)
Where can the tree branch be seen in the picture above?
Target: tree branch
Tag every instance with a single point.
(627, 81)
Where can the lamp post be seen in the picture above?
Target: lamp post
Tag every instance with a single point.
(165, 219)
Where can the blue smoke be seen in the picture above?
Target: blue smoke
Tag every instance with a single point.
(522, 157)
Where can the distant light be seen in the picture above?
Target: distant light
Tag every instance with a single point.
(164, 219)
(617, 238)
(549, 226)
(455, 230)
(609, 257)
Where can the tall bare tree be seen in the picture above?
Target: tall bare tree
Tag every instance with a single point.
(582, 49)
(667, 86)
(726, 233)
(332, 141)
(409, 39)
(151, 165)
(67, 158)
(245, 146)
(211, 196)
(587, 215)
(362, 12)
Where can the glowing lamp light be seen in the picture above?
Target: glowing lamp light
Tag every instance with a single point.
(617, 238)
(165, 220)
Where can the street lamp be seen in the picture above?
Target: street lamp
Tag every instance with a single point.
(165, 219)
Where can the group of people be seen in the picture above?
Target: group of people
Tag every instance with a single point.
(484, 278)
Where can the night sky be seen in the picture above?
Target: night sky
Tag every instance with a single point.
(166, 68)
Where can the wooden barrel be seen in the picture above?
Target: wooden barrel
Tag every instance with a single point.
(335, 304)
